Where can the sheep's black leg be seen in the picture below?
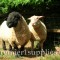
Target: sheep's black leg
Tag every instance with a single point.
(10, 47)
(3, 45)
(15, 46)
(32, 44)
(22, 47)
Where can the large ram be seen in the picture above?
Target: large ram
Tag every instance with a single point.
(15, 30)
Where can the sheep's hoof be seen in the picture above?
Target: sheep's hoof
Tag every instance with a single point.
(42, 53)
(10, 48)
(4, 49)
(15, 47)
(22, 48)
(3, 45)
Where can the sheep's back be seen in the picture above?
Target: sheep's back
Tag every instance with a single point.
(23, 34)
(38, 30)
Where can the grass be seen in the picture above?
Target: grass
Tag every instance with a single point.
(9, 57)
(50, 57)
(46, 57)
(13, 57)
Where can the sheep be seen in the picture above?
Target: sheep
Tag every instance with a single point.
(38, 30)
(14, 30)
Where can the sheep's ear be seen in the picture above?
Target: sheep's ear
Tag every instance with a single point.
(29, 18)
(41, 16)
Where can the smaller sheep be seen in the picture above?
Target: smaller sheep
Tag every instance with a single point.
(15, 30)
(38, 30)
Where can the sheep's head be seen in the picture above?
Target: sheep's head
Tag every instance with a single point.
(13, 19)
(34, 18)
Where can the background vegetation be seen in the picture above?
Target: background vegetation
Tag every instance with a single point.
(27, 8)
(41, 7)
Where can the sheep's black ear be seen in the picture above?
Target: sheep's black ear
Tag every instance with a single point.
(5, 18)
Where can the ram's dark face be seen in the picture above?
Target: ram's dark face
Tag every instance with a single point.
(13, 19)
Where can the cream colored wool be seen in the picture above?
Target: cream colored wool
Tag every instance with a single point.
(38, 30)
(19, 34)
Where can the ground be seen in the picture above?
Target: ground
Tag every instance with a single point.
(7, 56)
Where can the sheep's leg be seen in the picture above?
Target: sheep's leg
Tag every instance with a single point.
(3, 45)
(32, 41)
(22, 47)
(10, 47)
(15, 46)
(32, 45)
(42, 51)
(41, 45)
